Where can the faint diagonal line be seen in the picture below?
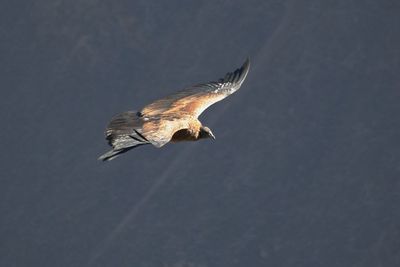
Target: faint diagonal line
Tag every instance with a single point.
(134, 211)
(278, 37)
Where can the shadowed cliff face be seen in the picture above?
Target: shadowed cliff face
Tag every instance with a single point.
(304, 171)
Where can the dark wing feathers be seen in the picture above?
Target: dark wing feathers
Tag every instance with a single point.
(195, 99)
(123, 130)
(123, 134)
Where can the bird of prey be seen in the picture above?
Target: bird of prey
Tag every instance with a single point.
(171, 119)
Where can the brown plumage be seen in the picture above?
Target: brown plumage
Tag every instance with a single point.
(172, 118)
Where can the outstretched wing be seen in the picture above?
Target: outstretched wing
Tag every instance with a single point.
(194, 100)
(123, 131)
(128, 130)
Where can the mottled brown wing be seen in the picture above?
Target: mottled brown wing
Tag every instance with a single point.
(166, 116)
(194, 100)
(128, 130)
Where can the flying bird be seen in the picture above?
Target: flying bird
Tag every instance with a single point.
(171, 119)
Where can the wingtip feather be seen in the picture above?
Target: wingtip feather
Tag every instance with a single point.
(239, 75)
(245, 69)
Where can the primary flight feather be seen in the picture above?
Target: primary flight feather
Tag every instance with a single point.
(171, 119)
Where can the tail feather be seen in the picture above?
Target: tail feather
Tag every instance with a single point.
(123, 134)
(112, 154)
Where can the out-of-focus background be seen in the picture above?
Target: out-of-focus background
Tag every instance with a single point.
(305, 169)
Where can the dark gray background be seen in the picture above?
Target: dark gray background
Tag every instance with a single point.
(305, 169)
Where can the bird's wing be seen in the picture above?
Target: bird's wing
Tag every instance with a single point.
(123, 131)
(194, 100)
(128, 129)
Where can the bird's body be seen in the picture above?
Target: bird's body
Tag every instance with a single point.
(171, 119)
(191, 133)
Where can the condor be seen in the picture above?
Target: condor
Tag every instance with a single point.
(171, 119)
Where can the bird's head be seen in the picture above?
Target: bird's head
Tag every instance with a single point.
(205, 132)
